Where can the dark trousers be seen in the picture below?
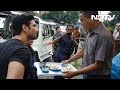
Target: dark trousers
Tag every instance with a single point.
(97, 76)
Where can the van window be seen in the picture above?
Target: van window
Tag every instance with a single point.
(1, 26)
(37, 22)
(37, 25)
(5, 29)
(46, 31)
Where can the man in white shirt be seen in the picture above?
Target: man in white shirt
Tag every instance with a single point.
(116, 31)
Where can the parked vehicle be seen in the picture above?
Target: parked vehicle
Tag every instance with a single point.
(44, 36)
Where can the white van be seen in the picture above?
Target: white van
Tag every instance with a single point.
(45, 36)
(40, 44)
(63, 28)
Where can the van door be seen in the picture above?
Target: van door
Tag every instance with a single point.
(46, 37)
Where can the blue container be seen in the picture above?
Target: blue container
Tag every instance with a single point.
(45, 69)
(41, 65)
(56, 70)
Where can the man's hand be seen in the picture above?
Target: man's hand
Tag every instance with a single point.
(69, 74)
(65, 62)
(73, 38)
(64, 34)
(50, 43)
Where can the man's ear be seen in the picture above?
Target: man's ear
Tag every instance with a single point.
(25, 28)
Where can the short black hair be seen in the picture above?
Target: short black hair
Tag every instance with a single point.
(76, 28)
(57, 27)
(89, 13)
(71, 25)
(19, 20)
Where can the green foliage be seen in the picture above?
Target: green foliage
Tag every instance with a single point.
(70, 17)
(111, 24)
(110, 29)
(108, 25)
(30, 12)
(116, 19)
(77, 64)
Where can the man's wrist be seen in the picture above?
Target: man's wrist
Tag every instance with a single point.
(69, 60)
(77, 73)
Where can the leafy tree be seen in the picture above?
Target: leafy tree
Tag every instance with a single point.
(110, 25)
(116, 19)
(31, 12)
(62, 17)
(106, 23)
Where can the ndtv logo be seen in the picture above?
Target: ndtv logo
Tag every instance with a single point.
(102, 17)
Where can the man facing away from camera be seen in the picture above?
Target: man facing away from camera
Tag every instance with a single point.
(15, 55)
(97, 52)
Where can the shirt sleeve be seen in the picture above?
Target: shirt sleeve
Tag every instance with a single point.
(101, 48)
(22, 55)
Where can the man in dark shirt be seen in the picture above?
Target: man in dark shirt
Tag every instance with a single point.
(15, 56)
(57, 34)
(65, 45)
(34, 58)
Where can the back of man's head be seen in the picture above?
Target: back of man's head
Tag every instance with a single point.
(89, 13)
(20, 20)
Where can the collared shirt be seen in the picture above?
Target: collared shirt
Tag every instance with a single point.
(99, 47)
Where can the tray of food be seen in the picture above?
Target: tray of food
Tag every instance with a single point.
(66, 69)
(52, 68)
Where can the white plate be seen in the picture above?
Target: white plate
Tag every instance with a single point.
(68, 68)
